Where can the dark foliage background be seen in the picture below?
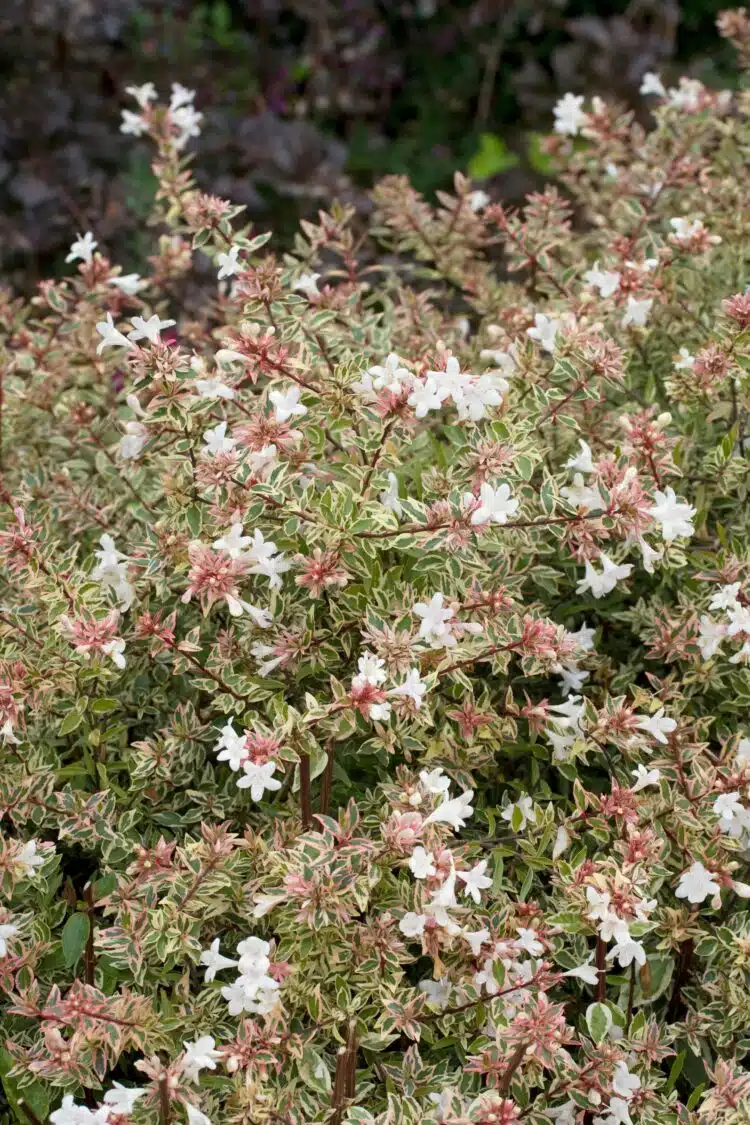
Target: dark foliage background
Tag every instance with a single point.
(303, 100)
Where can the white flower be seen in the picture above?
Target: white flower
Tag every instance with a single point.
(71, 1114)
(658, 725)
(477, 200)
(258, 778)
(371, 670)
(606, 281)
(528, 940)
(438, 992)
(129, 283)
(148, 329)
(228, 264)
(307, 283)
(475, 881)
(434, 626)
(7, 735)
(687, 229)
(198, 1056)
(495, 504)
(569, 115)
(111, 336)
(725, 597)
(390, 376)
(572, 679)
(564, 1114)
(427, 395)
(231, 747)
(28, 859)
(452, 381)
(650, 556)
(637, 312)
(287, 405)
(652, 84)
(7, 930)
(525, 805)
(624, 1083)
(583, 462)
(144, 95)
(587, 972)
(739, 620)
(413, 687)
(435, 781)
(626, 951)
(728, 807)
(412, 925)
(422, 863)
(83, 248)
(710, 635)
(604, 583)
(644, 777)
(580, 495)
(115, 649)
(214, 388)
(214, 961)
(217, 441)
(122, 1099)
(476, 940)
(613, 928)
(132, 123)
(569, 713)
(389, 498)
(111, 572)
(478, 394)
(697, 884)
(544, 331)
(196, 1116)
(673, 514)
(686, 362)
(132, 443)
(233, 541)
(599, 903)
(262, 459)
(454, 811)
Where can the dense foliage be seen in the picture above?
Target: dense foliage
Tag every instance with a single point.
(375, 651)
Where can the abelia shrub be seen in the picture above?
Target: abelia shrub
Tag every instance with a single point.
(375, 646)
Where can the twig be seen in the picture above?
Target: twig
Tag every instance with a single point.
(305, 790)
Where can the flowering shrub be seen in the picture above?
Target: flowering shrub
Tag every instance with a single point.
(375, 652)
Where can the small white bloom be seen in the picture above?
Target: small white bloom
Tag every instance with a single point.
(438, 992)
(544, 331)
(413, 687)
(422, 863)
(233, 541)
(287, 405)
(28, 859)
(199, 1055)
(652, 84)
(144, 95)
(726, 597)
(674, 515)
(476, 940)
(129, 283)
(658, 725)
(569, 115)
(697, 884)
(477, 200)
(132, 123)
(626, 951)
(214, 961)
(454, 811)
(624, 1083)
(650, 556)
(435, 781)
(475, 881)
(562, 842)
(686, 362)
(434, 627)
(710, 635)
(228, 264)
(122, 1099)
(148, 329)
(525, 805)
(528, 940)
(196, 1116)
(583, 462)
(495, 504)
(580, 495)
(637, 311)
(258, 778)
(644, 777)
(604, 583)
(132, 443)
(389, 498)
(214, 388)
(114, 649)
(606, 281)
(111, 336)
(587, 972)
(427, 395)
(307, 283)
(7, 930)
(412, 925)
(83, 248)
(217, 441)
(572, 679)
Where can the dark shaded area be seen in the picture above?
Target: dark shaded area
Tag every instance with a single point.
(303, 100)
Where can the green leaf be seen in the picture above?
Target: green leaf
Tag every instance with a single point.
(598, 1021)
(695, 1097)
(492, 156)
(72, 720)
(540, 161)
(194, 516)
(103, 706)
(675, 1072)
(314, 1072)
(74, 937)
